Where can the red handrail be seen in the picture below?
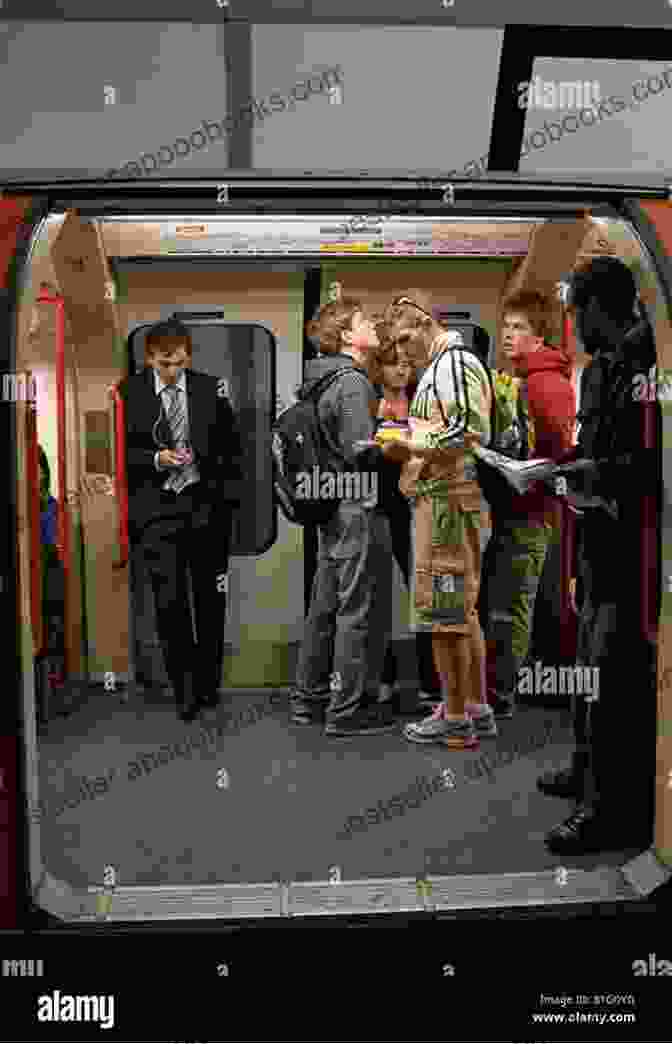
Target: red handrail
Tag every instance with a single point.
(63, 512)
(35, 527)
(120, 474)
(63, 534)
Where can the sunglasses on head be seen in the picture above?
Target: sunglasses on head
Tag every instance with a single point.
(407, 301)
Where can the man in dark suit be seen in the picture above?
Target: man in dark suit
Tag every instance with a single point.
(183, 461)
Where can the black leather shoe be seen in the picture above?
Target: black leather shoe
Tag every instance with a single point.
(367, 721)
(210, 701)
(402, 704)
(188, 705)
(308, 712)
(503, 708)
(562, 784)
(587, 830)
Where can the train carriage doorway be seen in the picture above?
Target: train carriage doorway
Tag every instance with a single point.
(570, 198)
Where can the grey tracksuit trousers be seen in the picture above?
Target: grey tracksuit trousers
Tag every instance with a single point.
(350, 619)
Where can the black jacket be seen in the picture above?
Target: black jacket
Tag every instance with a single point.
(213, 433)
(612, 434)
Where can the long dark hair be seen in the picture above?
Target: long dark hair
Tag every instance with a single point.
(44, 465)
(45, 479)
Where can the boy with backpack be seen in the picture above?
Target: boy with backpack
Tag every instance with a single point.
(522, 526)
(321, 478)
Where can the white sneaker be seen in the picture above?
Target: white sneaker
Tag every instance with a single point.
(385, 693)
(457, 735)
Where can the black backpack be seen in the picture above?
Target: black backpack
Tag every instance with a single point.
(494, 486)
(299, 445)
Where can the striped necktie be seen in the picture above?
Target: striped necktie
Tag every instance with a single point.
(177, 418)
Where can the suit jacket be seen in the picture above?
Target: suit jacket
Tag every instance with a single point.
(213, 433)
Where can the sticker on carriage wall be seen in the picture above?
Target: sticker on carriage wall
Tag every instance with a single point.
(104, 898)
(19, 387)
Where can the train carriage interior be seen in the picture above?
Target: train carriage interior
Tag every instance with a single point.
(266, 802)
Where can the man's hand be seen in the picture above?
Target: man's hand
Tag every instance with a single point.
(581, 466)
(572, 595)
(170, 459)
(396, 449)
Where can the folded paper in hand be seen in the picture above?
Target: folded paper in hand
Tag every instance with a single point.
(520, 474)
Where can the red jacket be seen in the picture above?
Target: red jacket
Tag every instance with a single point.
(550, 396)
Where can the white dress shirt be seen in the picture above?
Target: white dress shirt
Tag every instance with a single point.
(160, 387)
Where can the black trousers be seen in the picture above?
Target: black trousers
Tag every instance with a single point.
(616, 734)
(399, 516)
(190, 537)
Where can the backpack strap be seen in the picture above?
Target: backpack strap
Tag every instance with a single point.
(325, 382)
(522, 408)
(316, 393)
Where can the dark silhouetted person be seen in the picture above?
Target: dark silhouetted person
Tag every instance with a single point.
(612, 772)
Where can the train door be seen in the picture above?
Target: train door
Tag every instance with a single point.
(260, 347)
(242, 357)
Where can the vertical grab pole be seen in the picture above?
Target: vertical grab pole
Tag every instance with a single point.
(120, 474)
(63, 512)
(33, 468)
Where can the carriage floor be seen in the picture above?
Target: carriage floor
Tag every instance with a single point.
(277, 809)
